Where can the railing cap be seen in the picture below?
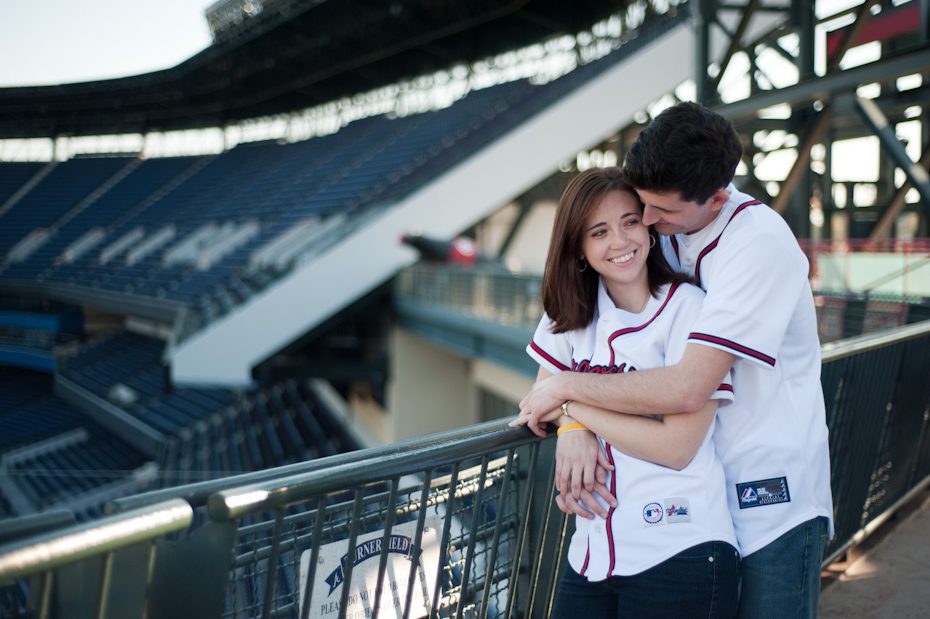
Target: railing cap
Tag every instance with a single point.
(50, 550)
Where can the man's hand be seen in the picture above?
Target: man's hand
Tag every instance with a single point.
(581, 468)
(542, 401)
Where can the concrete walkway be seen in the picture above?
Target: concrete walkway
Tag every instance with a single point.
(891, 579)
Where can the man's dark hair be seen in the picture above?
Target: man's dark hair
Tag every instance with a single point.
(686, 149)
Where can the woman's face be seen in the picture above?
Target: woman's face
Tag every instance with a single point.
(615, 243)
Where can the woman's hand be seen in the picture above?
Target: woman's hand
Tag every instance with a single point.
(581, 471)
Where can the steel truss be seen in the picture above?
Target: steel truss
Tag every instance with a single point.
(826, 100)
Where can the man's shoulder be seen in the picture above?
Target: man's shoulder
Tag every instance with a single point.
(752, 221)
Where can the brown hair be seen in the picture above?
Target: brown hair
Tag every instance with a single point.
(569, 294)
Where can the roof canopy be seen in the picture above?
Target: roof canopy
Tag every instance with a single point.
(293, 55)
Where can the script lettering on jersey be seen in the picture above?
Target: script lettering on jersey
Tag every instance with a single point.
(585, 366)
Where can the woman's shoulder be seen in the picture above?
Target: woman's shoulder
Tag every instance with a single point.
(684, 291)
(683, 298)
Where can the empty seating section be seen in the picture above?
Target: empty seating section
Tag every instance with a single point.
(371, 162)
(210, 432)
(13, 176)
(274, 426)
(31, 416)
(29, 411)
(51, 478)
(62, 189)
(125, 196)
(135, 361)
(63, 458)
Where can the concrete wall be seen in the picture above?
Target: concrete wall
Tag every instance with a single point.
(433, 389)
(429, 390)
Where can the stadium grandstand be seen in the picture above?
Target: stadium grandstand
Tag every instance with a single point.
(224, 368)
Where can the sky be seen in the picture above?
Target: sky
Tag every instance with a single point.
(62, 41)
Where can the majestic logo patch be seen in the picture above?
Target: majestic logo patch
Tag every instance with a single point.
(677, 509)
(653, 513)
(763, 492)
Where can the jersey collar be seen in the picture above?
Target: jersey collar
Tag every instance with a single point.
(697, 240)
(607, 309)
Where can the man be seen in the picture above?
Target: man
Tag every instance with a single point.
(758, 319)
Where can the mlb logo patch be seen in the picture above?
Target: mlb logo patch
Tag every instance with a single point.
(763, 492)
(653, 513)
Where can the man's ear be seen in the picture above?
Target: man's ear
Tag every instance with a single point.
(716, 201)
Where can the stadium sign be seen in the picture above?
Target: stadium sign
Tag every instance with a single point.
(326, 600)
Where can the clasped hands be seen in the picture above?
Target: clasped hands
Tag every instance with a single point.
(581, 465)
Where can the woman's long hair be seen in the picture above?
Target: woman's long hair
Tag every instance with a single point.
(569, 291)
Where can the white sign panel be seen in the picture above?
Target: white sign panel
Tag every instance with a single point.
(333, 560)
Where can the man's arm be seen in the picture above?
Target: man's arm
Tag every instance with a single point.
(681, 388)
(670, 441)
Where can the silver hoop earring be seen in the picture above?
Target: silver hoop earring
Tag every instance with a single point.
(585, 267)
(652, 241)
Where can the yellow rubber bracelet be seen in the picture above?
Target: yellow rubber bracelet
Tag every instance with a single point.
(569, 428)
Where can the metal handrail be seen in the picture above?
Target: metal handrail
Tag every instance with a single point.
(377, 464)
(40, 554)
(834, 351)
(198, 493)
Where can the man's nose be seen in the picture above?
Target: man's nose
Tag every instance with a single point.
(650, 216)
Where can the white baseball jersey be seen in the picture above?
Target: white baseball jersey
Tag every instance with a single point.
(660, 511)
(773, 439)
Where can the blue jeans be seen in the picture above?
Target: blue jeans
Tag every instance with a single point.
(701, 581)
(782, 580)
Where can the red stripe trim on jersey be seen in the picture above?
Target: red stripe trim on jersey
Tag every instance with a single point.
(610, 512)
(725, 387)
(675, 248)
(587, 557)
(542, 353)
(713, 244)
(713, 339)
(627, 330)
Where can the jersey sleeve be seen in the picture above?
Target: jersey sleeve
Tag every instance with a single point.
(755, 288)
(552, 351)
(689, 310)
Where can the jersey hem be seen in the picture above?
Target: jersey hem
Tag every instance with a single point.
(642, 567)
(771, 536)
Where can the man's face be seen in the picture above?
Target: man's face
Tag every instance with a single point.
(672, 215)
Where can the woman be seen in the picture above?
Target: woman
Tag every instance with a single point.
(662, 543)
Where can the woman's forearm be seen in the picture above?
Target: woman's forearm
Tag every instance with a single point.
(670, 441)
